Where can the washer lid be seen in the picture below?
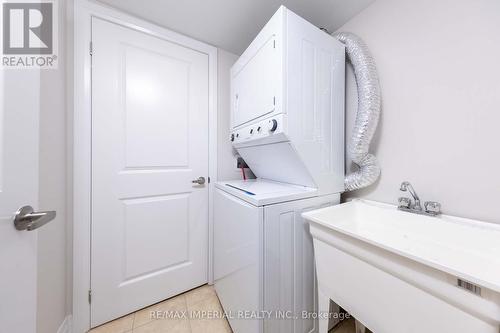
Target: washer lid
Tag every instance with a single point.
(261, 192)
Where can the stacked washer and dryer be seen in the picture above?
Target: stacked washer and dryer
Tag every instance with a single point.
(287, 122)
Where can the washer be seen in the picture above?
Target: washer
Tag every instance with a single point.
(263, 255)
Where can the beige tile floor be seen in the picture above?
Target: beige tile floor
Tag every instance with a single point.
(203, 298)
(200, 299)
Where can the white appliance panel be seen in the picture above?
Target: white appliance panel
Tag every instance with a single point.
(289, 272)
(315, 102)
(254, 85)
(261, 192)
(237, 258)
(264, 261)
(279, 162)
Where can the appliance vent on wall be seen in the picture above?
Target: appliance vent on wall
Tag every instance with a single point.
(469, 286)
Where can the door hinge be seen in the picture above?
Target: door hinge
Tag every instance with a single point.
(274, 44)
(274, 100)
(90, 296)
(91, 49)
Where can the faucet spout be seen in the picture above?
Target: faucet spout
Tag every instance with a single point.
(406, 186)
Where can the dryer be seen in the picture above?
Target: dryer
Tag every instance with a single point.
(287, 110)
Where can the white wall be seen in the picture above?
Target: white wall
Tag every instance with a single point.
(51, 297)
(226, 159)
(439, 70)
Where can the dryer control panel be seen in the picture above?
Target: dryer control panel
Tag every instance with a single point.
(272, 129)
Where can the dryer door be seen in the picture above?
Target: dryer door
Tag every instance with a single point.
(254, 85)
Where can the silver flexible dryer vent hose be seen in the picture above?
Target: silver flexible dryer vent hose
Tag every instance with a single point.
(368, 113)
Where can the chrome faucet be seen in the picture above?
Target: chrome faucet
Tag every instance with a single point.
(406, 186)
(431, 208)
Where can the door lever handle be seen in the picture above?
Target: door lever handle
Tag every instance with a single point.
(199, 181)
(27, 219)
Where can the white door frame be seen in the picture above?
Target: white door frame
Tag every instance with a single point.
(83, 12)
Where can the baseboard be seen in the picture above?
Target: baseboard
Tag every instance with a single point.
(66, 326)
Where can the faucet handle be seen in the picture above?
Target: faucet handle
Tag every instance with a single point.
(432, 207)
(404, 202)
(404, 186)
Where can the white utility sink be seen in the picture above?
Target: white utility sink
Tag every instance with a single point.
(399, 272)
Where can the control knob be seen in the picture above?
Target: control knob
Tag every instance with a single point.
(273, 125)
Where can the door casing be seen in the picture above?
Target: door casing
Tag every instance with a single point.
(80, 123)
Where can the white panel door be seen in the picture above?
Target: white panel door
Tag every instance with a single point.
(19, 107)
(149, 141)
